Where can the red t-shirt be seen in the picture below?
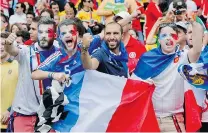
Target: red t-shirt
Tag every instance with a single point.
(204, 8)
(152, 13)
(28, 42)
(136, 22)
(31, 2)
(135, 49)
(198, 3)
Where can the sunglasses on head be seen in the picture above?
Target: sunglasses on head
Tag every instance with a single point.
(167, 24)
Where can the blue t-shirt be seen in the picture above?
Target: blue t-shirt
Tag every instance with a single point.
(109, 65)
(42, 56)
(59, 62)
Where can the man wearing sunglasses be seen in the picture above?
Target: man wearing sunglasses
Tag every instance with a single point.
(159, 66)
(19, 16)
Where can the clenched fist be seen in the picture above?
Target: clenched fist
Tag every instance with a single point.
(11, 38)
(61, 77)
(86, 40)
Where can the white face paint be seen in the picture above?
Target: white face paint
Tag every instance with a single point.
(46, 35)
(68, 35)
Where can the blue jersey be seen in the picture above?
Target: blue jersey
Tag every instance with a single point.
(60, 62)
(37, 57)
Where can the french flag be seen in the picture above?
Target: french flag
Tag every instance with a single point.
(101, 102)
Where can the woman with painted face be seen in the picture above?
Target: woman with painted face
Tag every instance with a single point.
(159, 66)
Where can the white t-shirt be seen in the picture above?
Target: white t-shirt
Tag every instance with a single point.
(17, 19)
(168, 97)
(27, 96)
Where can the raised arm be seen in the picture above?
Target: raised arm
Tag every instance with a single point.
(197, 37)
(9, 47)
(87, 61)
(101, 11)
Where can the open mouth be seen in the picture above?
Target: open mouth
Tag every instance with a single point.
(169, 43)
(69, 41)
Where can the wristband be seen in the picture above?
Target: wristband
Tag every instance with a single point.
(50, 75)
(84, 49)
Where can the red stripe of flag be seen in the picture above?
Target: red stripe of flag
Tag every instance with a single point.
(135, 112)
(192, 112)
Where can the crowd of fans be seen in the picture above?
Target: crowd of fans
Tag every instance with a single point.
(44, 40)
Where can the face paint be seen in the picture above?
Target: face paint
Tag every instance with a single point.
(164, 36)
(174, 36)
(74, 32)
(51, 33)
(171, 43)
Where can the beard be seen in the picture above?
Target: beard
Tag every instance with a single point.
(117, 45)
(45, 44)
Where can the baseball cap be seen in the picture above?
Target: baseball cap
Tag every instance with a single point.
(191, 5)
(182, 25)
(122, 14)
(178, 4)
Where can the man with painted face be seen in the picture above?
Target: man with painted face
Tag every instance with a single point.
(159, 66)
(28, 91)
(112, 57)
(64, 61)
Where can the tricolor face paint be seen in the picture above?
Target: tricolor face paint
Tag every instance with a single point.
(167, 39)
(68, 35)
(46, 35)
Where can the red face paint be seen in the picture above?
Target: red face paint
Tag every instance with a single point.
(174, 36)
(75, 43)
(171, 43)
(51, 33)
(74, 31)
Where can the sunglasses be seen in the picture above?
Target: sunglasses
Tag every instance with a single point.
(88, 1)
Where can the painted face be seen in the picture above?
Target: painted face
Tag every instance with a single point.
(167, 39)
(189, 35)
(34, 32)
(46, 35)
(68, 35)
(113, 36)
(3, 53)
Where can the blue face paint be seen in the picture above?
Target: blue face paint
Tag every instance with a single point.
(164, 36)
